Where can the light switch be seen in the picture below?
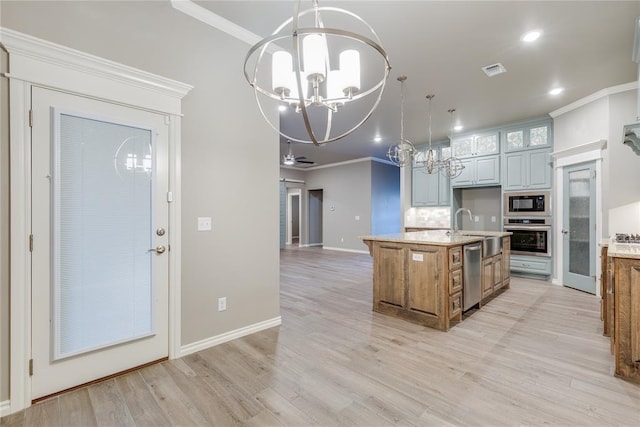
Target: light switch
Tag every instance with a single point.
(204, 223)
(476, 218)
(357, 217)
(493, 219)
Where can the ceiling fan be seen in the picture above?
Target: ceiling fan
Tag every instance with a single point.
(289, 159)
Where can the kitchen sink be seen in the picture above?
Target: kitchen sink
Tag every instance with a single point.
(491, 245)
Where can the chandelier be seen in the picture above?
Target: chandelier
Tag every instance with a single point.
(315, 71)
(402, 153)
(451, 167)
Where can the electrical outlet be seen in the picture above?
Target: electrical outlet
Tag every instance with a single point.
(342, 239)
(357, 217)
(222, 304)
(204, 223)
(493, 219)
(476, 218)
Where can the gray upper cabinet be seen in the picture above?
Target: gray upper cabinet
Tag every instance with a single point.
(430, 189)
(481, 171)
(424, 188)
(527, 170)
(529, 136)
(481, 144)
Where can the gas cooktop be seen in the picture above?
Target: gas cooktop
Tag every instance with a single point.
(627, 238)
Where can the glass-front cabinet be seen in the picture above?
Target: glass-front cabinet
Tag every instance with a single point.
(533, 135)
(482, 144)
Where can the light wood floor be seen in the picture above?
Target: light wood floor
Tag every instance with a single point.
(534, 355)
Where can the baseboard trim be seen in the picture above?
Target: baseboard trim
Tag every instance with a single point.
(5, 408)
(228, 336)
(310, 245)
(355, 251)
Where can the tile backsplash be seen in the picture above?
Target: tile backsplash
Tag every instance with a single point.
(428, 217)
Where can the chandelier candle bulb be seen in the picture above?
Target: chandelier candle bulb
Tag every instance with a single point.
(281, 66)
(350, 68)
(335, 87)
(313, 49)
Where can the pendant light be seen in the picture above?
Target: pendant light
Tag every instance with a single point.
(451, 167)
(403, 152)
(430, 161)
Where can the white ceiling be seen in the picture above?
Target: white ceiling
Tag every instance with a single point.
(441, 46)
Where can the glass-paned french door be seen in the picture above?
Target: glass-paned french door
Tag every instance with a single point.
(99, 218)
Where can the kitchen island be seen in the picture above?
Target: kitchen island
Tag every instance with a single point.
(418, 276)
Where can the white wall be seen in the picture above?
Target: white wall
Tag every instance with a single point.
(220, 115)
(604, 118)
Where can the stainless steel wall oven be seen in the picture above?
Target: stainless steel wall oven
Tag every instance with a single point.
(531, 236)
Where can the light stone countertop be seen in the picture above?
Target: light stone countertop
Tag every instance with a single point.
(604, 243)
(623, 250)
(436, 237)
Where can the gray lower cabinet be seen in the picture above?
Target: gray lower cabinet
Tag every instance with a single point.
(479, 171)
(527, 170)
(540, 266)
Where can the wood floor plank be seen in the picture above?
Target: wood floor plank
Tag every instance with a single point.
(173, 402)
(76, 409)
(533, 355)
(45, 414)
(108, 405)
(140, 402)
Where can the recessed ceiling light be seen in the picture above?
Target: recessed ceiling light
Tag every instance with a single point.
(377, 138)
(458, 128)
(531, 36)
(556, 91)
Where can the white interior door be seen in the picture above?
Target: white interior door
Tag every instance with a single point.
(579, 228)
(99, 225)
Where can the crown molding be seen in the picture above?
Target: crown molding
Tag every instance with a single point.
(216, 21)
(594, 97)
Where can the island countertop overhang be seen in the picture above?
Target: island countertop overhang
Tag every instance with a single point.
(435, 237)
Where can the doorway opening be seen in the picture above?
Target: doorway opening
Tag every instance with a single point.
(315, 217)
(293, 217)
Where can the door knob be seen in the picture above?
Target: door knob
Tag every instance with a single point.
(565, 231)
(158, 249)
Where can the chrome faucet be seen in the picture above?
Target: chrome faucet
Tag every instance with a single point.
(455, 218)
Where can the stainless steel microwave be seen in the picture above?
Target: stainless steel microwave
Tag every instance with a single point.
(530, 203)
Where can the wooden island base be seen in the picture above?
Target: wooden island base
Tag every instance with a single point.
(419, 276)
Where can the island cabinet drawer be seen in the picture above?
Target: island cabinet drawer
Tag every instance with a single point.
(455, 257)
(455, 281)
(455, 305)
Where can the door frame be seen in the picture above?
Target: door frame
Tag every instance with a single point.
(589, 152)
(37, 62)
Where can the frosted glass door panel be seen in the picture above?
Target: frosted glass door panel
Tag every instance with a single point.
(578, 227)
(579, 193)
(102, 234)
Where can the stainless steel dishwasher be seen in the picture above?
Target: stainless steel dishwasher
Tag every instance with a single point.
(472, 266)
